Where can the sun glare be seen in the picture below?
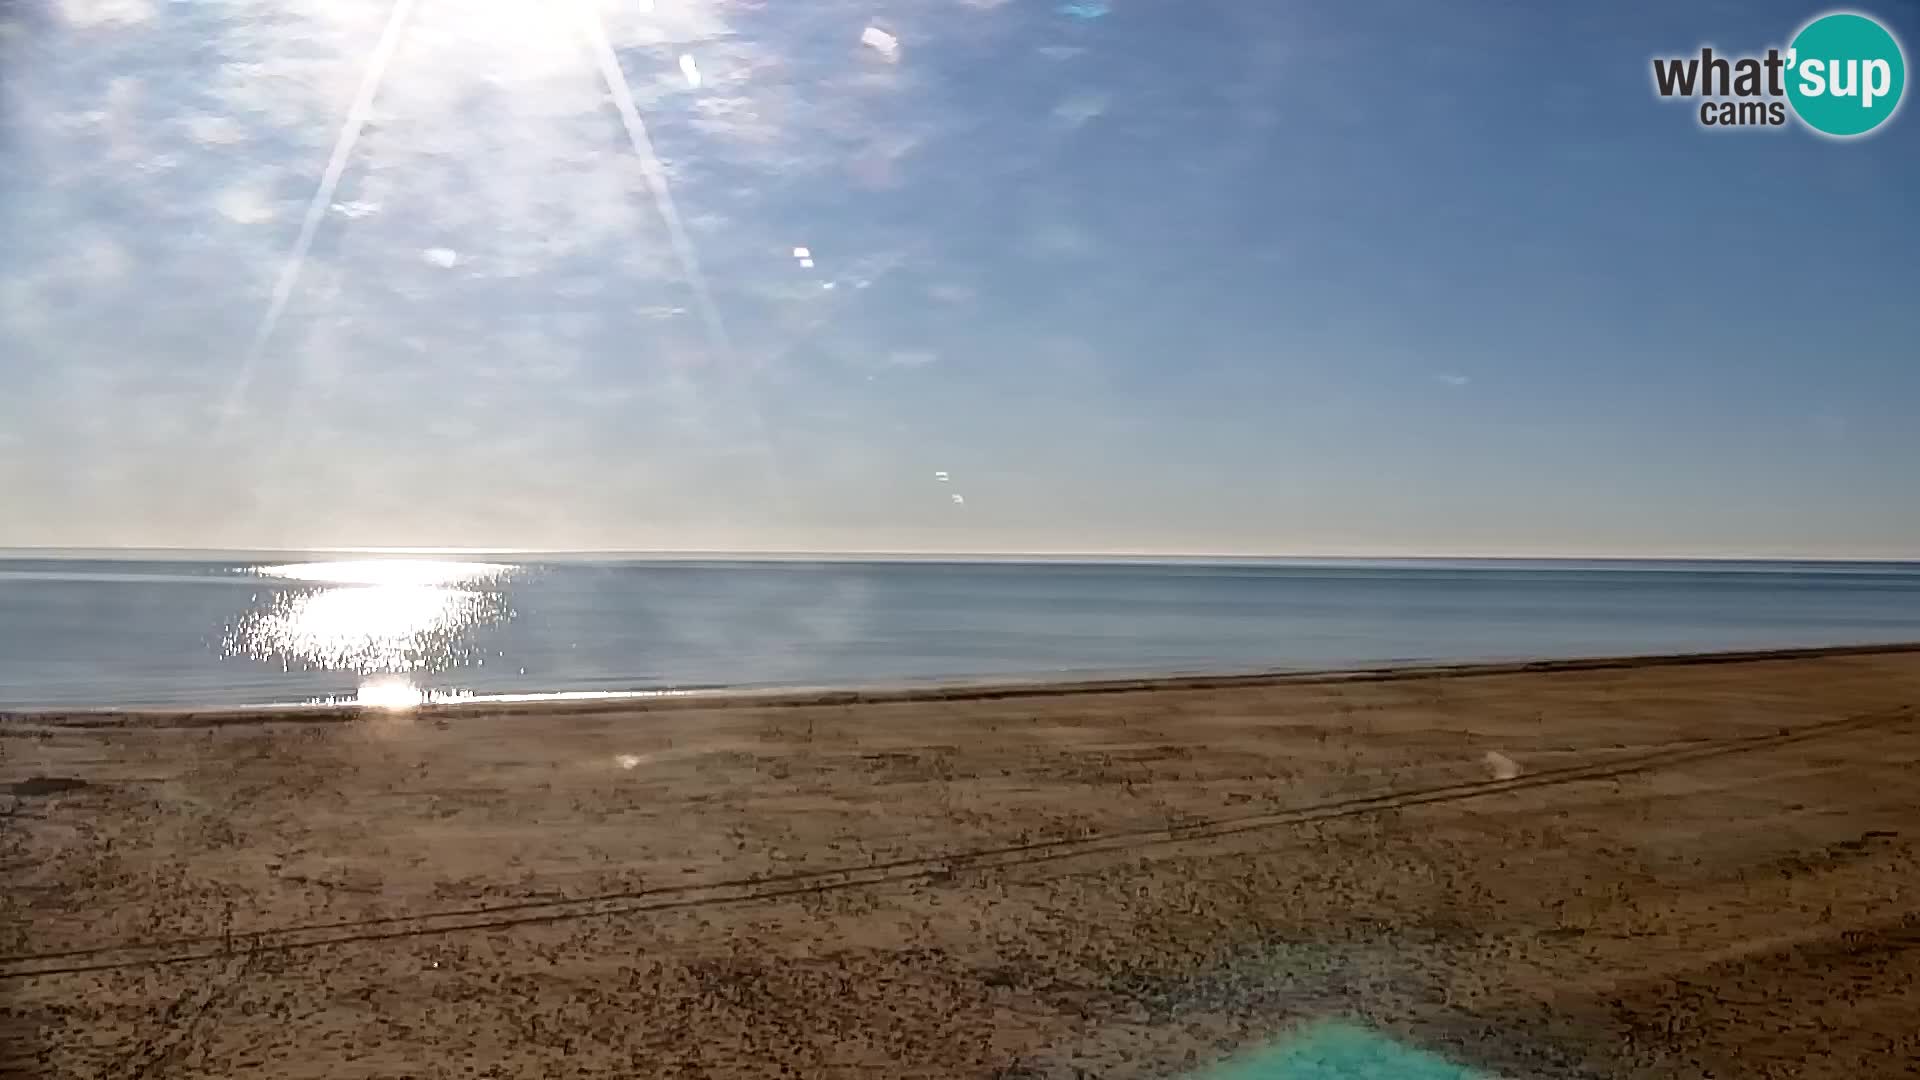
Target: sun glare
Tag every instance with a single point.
(373, 616)
(523, 37)
(395, 694)
(388, 572)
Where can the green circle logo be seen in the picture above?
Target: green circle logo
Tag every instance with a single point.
(1845, 73)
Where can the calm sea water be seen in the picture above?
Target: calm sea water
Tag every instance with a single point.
(98, 632)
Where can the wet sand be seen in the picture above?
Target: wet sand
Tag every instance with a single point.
(1612, 869)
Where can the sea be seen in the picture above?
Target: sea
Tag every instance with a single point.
(205, 630)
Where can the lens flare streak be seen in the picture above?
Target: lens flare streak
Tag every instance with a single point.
(350, 131)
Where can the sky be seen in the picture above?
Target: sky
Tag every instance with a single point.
(1253, 277)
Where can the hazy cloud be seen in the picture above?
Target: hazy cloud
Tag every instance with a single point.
(90, 14)
(882, 43)
(1076, 111)
(244, 206)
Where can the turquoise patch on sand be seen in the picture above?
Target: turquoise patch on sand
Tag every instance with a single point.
(1338, 1052)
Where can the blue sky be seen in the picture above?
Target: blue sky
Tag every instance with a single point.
(1254, 277)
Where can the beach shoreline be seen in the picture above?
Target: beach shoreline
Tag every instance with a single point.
(1645, 866)
(588, 702)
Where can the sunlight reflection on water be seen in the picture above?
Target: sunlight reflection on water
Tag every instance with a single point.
(374, 617)
(388, 572)
(390, 693)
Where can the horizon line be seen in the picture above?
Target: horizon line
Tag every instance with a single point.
(752, 554)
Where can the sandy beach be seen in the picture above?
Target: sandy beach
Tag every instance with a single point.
(1698, 867)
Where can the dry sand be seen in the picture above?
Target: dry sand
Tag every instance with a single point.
(1679, 869)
